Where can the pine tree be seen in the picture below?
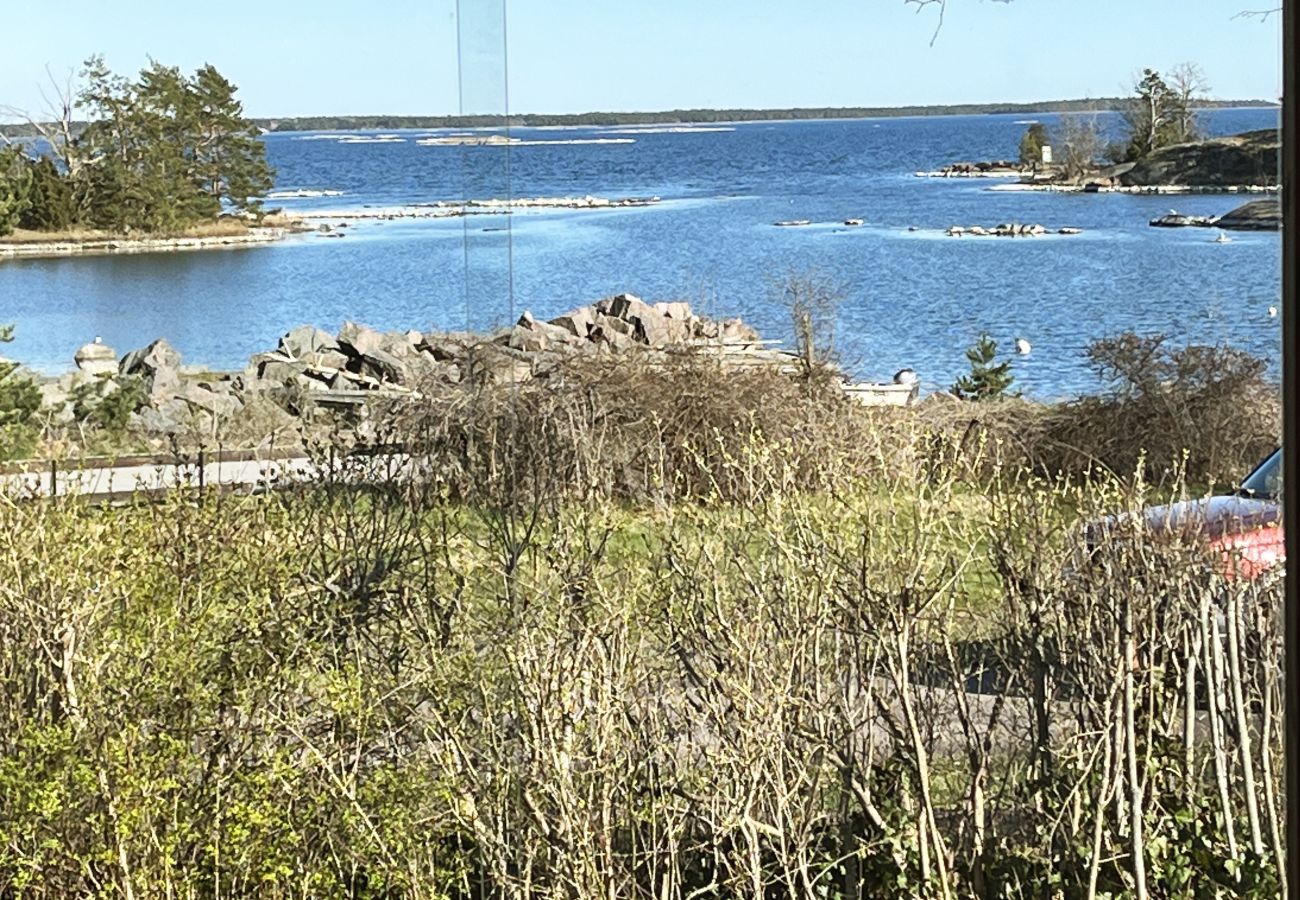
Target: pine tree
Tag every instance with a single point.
(168, 151)
(988, 379)
(1153, 115)
(1031, 145)
(15, 188)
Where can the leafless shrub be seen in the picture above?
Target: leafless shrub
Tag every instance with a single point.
(1206, 410)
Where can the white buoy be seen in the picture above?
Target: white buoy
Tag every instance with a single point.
(1023, 347)
(1272, 312)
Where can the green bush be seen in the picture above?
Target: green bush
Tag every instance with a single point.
(20, 401)
(988, 379)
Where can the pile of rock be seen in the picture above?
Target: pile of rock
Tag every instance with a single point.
(1007, 229)
(311, 367)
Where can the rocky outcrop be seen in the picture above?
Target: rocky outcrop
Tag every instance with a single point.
(1241, 160)
(1257, 215)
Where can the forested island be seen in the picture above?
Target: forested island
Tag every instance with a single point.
(1163, 147)
(165, 155)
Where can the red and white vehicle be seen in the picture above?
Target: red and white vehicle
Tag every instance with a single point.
(1243, 528)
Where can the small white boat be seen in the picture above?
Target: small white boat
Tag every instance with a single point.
(1223, 238)
(903, 394)
(852, 223)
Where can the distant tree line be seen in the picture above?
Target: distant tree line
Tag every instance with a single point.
(692, 116)
(160, 154)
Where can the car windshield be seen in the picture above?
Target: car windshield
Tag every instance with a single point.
(1265, 481)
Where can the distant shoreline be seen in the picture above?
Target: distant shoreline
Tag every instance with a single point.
(713, 116)
(276, 124)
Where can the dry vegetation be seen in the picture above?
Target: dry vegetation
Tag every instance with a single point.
(223, 228)
(643, 633)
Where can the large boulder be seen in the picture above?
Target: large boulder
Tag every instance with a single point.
(383, 366)
(172, 416)
(491, 363)
(448, 346)
(736, 330)
(158, 367)
(577, 322)
(1257, 215)
(308, 343)
(358, 340)
(677, 309)
(278, 369)
(203, 398)
(533, 336)
(626, 307)
(96, 358)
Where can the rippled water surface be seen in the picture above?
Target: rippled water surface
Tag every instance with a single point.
(912, 298)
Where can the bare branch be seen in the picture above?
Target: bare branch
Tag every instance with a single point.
(1261, 14)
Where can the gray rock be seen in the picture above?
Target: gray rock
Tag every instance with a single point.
(96, 358)
(328, 359)
(448, 346)
(358, 340)
(577, 322)
(496, 364)
(605, 334)
(158, 367)
(736, 330)
(612, 323)
(677, 309)
(626, 307)
(529, 340)
(1257, 215)
(220, 404)
(307, 343)
(171, 416)
(280, 371)
(384, 366)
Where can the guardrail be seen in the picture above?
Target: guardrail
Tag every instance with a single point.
(127, 477)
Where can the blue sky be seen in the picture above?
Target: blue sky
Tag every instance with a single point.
(400, 56)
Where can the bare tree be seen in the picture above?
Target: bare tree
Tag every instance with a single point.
(1189, 85)
(1080, 145)
(54, 123)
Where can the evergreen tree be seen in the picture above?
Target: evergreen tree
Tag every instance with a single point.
(1031, 145)
(15, 188)
(988, 379)
(54, 205)
(168, 151)
(1156, 115)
